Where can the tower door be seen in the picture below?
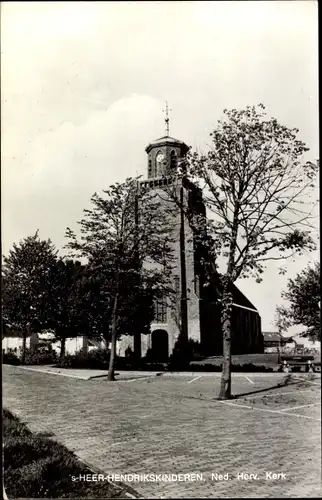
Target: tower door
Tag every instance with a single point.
(160, 345)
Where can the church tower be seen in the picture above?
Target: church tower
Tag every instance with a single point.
(196, 314)
(164, 156)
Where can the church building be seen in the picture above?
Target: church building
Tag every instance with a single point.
(197, 309)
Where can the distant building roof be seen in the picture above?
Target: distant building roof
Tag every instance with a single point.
(273, 337)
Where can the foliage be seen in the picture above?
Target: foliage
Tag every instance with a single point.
(10, 358)
(304, 295)
(95, 359)
(246, 367)
(254, 180)
(40, 357)
(35, 466)
(126, 239)
(26, 284)
(66, 304)
(184, 352)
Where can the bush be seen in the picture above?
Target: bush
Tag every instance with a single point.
(10, 358)
(249, 367)
(184, 352)
(40, 357)
(96, 359)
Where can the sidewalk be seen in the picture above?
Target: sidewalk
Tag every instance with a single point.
(173, 426)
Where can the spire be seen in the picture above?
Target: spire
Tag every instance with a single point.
(167, 119)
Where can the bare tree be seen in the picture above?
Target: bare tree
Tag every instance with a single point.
(259, 194)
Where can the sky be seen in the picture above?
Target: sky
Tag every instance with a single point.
(84, 85)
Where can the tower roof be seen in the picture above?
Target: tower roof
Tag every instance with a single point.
(164, 141)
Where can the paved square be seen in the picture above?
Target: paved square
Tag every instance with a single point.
(174, 425)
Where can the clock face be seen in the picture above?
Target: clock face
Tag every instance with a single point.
(160, 157)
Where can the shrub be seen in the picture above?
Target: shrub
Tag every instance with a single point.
(96, 359)
(184, 352)
(10, 358)
(40, 357)
(249, 367)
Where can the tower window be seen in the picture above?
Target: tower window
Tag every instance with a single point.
(150, 168)
(173, 160)
(159, 159)
(160, 310)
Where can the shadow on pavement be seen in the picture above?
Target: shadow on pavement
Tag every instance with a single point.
(286, 382)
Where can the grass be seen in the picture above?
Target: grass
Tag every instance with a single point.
(36, 466)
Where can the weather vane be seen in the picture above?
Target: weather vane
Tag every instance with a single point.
(167, 119)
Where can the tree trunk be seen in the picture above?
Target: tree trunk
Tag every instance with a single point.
(225, 386)
(137, 346)
(62, 348)
(24, 342)
(227, 299)
(111, 368)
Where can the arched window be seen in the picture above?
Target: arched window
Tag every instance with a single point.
(159, 159)
(173, 160)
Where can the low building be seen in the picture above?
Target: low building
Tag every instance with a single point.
(274, 342)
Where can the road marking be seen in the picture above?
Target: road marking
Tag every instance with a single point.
(49, 372)
(249, 380)
(269, 411)
(197, 378)
(302, 406)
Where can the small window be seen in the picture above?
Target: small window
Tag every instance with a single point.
(150, 168)
(160, 310)
(173, 160)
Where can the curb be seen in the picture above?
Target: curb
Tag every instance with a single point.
(51, 372)
(79, 377)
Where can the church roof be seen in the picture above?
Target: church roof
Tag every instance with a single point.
(163, 141)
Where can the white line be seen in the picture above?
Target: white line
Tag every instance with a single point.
(270, 411)
(302, 406)
(189, 381)
(53, 373)
(249, 380)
